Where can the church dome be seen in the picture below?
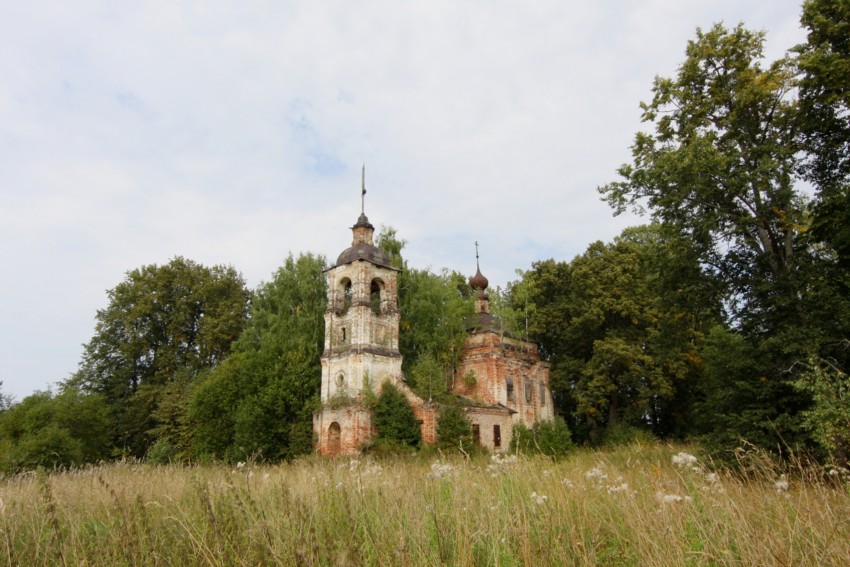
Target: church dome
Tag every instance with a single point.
(478, 281)
(367, 252)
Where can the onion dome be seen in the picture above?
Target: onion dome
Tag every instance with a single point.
(478, 282)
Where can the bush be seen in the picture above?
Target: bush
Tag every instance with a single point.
(550, 438)
(454, 430)
(394, 419)
(162, 452)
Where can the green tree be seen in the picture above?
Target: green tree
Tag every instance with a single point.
(829, 417)
(719, 169)
(161, 322)
(454, 430)
(620, 329)
(259, 402)
(736, 398)
(394, 419)
(46, 430)
(824, 65)
(428, 378)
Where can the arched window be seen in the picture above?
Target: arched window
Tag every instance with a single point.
(542, 394)
(509, 384)
(346, 295)
(340, 380)
(334, 438)
(529, 391)
(375, 296)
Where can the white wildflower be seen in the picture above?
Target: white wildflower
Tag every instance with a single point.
(672, 498)
(712, 478)
(614, 489)
(833, 472)
(547, 473)
(266, 477)
(596, 473)
(441, 470)
(500, 459)
(240, 465)
(781, 485)
(372, 469)
(683, 459)
(353, 464)
(567, 482)
(539, 499)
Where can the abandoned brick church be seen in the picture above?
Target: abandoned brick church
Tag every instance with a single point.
(361, 353)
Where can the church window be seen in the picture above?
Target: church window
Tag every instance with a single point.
(334, 441)
(375, 296)
(346, 295)
(343, 334)
(497, 436)
(476, 434)
(340, 380)
(529, 391)
(509, 383)
(542, 394)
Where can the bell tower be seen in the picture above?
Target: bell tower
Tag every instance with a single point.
(361, 340)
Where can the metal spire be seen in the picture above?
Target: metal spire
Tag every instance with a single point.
(363, 193)
(476, 257)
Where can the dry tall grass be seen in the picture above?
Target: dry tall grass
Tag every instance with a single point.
(631, 506)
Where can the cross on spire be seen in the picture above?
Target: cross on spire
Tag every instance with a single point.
(476, 255)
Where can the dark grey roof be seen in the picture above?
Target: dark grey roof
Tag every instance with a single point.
(367, 252)
(483, 322)
(363, 220)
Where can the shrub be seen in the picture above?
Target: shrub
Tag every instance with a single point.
(394, 418)
(550, 438)
(454, 430)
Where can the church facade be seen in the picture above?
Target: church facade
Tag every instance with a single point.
(503, 382)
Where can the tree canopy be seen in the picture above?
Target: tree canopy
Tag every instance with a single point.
(259, 403)
(161, 322)
(721, 167)
(621, 336)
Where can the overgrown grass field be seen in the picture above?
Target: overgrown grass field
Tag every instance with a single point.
(635, 505)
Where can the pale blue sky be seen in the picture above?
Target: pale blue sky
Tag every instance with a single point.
(234, 133)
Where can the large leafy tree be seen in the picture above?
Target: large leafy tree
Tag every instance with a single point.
(824, 64)
(824, 121)
(718, 167)
(162, 322)
(260, 402)
(620, 328)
